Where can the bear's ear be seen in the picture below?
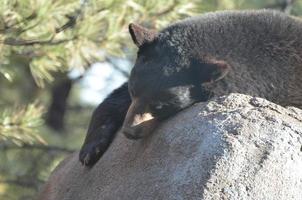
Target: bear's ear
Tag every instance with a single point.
(141, 35)
(212, 70)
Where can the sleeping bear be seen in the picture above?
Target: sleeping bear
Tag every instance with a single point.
(258, 53)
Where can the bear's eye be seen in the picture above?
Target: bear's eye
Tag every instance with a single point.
(161, 110)
(157, 106)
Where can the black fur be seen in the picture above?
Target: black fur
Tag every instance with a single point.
(252, 52)
(168, 83)
(107, 118)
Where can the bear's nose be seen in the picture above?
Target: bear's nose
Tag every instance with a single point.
(141, 118)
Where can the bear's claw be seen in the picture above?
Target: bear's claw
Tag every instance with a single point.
(91, 153)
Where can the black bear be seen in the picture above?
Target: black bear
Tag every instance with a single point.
(252, 52)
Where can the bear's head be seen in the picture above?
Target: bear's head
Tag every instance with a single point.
(166, 78)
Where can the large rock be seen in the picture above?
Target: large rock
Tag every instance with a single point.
(234, 147)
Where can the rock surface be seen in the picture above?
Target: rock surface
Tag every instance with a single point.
(234, 147)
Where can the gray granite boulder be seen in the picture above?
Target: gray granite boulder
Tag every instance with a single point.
(234, 147)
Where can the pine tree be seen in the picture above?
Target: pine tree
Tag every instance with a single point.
(50, 36)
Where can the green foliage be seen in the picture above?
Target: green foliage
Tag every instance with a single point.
(58, 35)
(19, 125)
(48, 36)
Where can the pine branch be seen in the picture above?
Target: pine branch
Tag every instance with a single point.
(20, 126)
(22, 42)
(72, 19)
(26, 19)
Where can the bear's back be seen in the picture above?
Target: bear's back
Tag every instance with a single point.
(264, 49)
(240, 34)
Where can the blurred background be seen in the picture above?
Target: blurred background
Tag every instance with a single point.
(59, 59)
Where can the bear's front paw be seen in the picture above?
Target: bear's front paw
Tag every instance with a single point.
(91, 152)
